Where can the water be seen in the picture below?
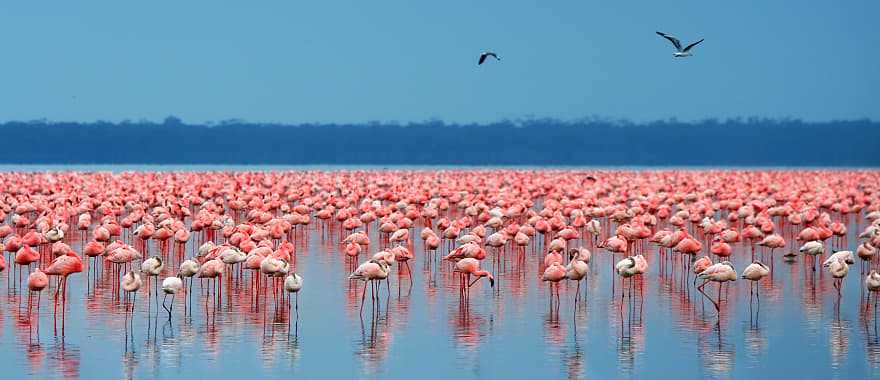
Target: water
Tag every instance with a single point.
(424, 331)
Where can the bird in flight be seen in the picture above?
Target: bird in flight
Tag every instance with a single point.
(485, 55)
(679, 53)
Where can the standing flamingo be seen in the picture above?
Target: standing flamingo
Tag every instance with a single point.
(554, 274)
(754, 273)
(293, 284)
(37, 281)
(772, 241)
(64, 266)
(718, 273)
(212, 269)
(151, 268)
(402, 256)
(838, 267)
(577, 268)
(468, 267)
(370, 271)
(872, 283)
(814, 249)
(131, 283)
(170, 285)
(25, 257)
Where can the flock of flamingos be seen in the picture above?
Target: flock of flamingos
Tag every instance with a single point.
(133, 228)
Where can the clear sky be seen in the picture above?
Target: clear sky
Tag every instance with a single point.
(412, 60)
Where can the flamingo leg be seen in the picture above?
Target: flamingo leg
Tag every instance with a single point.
(363, 296)
(165, 307)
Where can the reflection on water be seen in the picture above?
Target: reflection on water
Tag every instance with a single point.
(717, 356)
(755, 341)
(654, 325)
(872, 352)
(838, 341)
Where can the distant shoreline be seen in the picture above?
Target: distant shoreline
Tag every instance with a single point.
(532, 143)
(118, 168)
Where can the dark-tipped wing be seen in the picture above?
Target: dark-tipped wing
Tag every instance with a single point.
(672, 39)
(482, 59)
(692, 45)
(493, 56)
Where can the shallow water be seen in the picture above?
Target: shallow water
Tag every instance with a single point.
(798, 329)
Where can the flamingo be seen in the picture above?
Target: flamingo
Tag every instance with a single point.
(754, 273)
(578, 268)
(719, 273)
(64, 266)
(866, 252)
(552, 257)
(838, 267)
(188, 268)
(25, 257)
(131, 283)
(37, 281)
(626, 268)
(293, 283)
(212, 269)
(402, 255)
(872, 283)
(772, 241)
(813, 248)
(170, 285)
(554, 274)
(352, 249)
(845, 256)
(700, 265)
(471, 267)
(152, 267)
(372, 271)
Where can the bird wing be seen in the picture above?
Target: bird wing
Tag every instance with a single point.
(672, 39)
(482, 59)
(692, 45)
(712, 269)
(494, 55)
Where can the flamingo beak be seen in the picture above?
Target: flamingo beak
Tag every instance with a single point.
(491, 282)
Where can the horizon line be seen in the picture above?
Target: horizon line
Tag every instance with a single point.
(524, 121)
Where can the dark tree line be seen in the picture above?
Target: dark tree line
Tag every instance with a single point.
(751, 142)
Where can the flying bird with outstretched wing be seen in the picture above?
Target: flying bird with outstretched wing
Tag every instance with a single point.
(485, 55)
(679, 52)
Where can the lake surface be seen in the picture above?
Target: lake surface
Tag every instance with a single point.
(800, 328)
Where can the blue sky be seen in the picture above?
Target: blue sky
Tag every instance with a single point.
(355, 61)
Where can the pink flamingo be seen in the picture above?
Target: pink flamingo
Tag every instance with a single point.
(37, 281)
(468, 267)
(64, 266)
(370, 271)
